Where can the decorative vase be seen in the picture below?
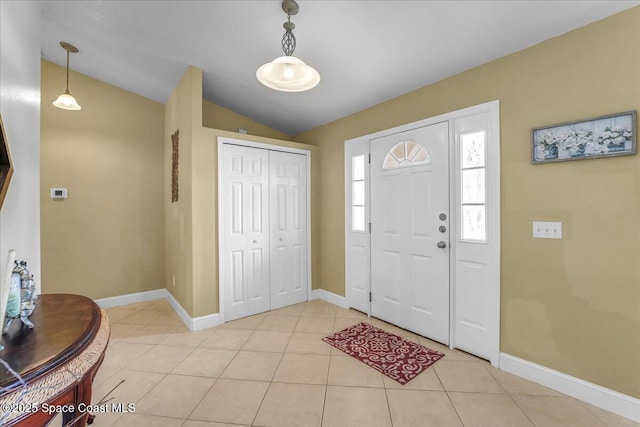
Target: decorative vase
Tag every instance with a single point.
(27, 294)
(13, 302)
(577, 151)
(5, 285)
(551, 152)
(22, 296)
(615, 147)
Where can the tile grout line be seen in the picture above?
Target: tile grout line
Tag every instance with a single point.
(583, 404)
(449, 397)
(386, 396)
(270, 382)
(511, 397)
(165, 375)
(326, 390)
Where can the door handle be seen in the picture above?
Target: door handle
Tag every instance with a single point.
(255, 241)
(442, 244)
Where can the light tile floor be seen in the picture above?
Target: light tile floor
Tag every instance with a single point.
(272, 369)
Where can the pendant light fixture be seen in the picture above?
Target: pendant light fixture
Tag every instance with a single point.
(66, 101)
(288, 73)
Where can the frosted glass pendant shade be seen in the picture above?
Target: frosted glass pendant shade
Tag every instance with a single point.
(67, 102)
(288, 74)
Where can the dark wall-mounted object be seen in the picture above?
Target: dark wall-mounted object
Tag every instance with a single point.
(175, 154)
(6, 167)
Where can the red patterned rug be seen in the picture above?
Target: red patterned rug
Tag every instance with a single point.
(387, 353)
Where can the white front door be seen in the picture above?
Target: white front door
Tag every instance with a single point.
(245, 260)
(288, 188)
(410, 230)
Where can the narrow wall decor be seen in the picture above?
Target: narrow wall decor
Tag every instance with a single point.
(6, 167)
(175, 151)
(605, 136)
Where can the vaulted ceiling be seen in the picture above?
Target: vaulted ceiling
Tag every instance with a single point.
(366, 51)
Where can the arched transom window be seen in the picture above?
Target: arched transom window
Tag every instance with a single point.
(406, 153)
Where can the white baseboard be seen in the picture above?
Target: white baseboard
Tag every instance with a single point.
(131, 298)
(610, 400)
(192, 323)
(202, 322)
(329, 297)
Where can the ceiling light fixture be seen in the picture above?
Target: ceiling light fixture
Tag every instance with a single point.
(66, 101)
(288, 73)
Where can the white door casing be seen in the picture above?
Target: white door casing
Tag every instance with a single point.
(474, 265)
(288, 194)
(409, 204)
(245, 260)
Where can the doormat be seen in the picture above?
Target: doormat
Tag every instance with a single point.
(387, 353)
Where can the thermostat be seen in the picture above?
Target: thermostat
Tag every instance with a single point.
(58, 193)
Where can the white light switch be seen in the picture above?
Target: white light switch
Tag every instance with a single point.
(58, 193)
(547, 230)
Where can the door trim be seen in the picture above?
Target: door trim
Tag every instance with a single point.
(493, 197)
(221, 212)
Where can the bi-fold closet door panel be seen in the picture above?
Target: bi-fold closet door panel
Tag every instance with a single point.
(264, 255)
(288, 207)
(246, 231)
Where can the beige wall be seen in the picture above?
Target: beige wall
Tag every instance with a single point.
(217, 117)
(191, 223)
(181, 110)
(106, 239)
(571, 304)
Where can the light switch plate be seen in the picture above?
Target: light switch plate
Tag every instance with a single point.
(58, 193)
(547, 230)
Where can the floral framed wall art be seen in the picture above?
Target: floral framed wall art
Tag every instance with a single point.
(606, 136)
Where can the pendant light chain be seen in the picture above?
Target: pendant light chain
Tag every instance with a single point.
(288, 39)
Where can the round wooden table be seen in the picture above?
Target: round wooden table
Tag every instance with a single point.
(56, 360)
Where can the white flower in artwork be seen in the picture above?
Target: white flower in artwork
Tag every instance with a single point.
(574, 141)
(593, 149)
(614, 136)
(549, 137)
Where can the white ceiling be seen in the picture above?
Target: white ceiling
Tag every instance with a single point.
(366, 51)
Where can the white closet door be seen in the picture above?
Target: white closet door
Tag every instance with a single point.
(410, 230)
(288, 208)
(245, 260)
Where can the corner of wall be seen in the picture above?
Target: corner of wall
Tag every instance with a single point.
(20, 109)
(178, 223)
